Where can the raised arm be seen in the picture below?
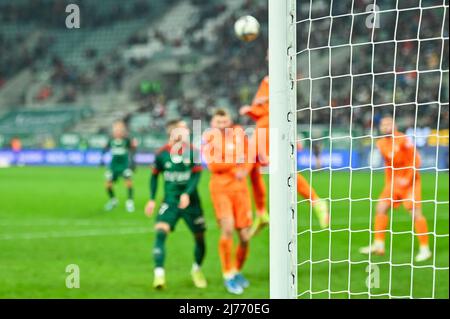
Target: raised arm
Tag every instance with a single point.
(154, 184)
(258, 108)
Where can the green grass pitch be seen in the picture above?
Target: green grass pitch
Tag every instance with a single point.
(53, 217)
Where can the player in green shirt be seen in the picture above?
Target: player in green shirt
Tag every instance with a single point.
(122, 151)
(175, 161)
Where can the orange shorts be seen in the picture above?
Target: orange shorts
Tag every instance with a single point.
(404, 196)
(236, 205)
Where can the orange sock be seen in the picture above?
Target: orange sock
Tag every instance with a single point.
(421, 228)
(259, 189)
(381, 222)
(241, 255)
(225, 252)
(304, 189)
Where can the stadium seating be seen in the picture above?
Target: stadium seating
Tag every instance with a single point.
(175, 44)
(32, 125)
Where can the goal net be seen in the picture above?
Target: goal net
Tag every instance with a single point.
(337, 70)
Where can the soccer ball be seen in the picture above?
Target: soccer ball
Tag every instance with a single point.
(247, 28)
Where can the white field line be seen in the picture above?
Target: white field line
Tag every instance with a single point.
(68, 222)
(77, 233)
(132, 230)
(88, 222)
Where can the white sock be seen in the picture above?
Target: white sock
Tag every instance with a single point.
(424, 249)
(378, 244)
(228, 276)
(195, 267)
(159, 271)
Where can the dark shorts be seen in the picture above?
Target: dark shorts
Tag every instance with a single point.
(115, 172)
(192, 215)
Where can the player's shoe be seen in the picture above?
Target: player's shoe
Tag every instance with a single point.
(159, 281)
(241, 280)
(198, 278)
(261, 221)
(377, 248)
(232, 287)
(130, 206)
(111, 204)
(424, 254)
(322, 212)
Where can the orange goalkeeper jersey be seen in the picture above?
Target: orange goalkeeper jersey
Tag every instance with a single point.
(225, 152)
(401, 160)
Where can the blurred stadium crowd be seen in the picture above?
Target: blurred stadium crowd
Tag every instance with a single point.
(147, 61)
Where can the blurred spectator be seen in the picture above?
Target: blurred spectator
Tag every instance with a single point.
(44, 93)
(16, 144)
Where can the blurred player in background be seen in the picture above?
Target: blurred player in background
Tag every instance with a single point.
(175, 161)
(259, 112)
(225, 154)
(319, 206)
(317, 150)
(122, 149)
(402, 186)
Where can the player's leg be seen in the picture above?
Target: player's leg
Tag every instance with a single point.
(159, 254)
(226, 256)
(110, 179)
(194, 219)
(166, 221)
(226, 246)
(243, 221)
(243, 248)
(420, 221)
(380, 224)
(127, 174)
(110, 190)
(259, 189)
(242, 252)
(198, 277)
(319, 206)
(259, 194)
(224, 213)
(421, 229)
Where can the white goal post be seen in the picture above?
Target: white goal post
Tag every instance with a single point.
(283, 134)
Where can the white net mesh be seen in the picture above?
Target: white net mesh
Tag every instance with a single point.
(358, 61)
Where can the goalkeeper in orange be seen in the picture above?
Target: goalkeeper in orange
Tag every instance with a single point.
(225, 154)
(402, 186)
(259, 112)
